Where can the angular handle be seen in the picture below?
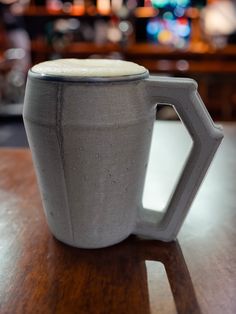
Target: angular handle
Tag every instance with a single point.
(182, 94)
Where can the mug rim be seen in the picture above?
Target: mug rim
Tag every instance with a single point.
(88, 79)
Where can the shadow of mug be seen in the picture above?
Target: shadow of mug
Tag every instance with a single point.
(115, 279)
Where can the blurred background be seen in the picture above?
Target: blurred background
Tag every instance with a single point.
(193, 38)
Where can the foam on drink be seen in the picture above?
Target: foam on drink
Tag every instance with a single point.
(88, 68)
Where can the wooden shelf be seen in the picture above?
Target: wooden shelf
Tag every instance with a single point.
(154, 50)
(43, 11)
(140, 12)
(155, 58)
(189, 67)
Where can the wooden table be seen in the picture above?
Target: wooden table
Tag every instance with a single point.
(196, 274)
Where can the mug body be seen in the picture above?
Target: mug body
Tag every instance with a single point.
(90, 144)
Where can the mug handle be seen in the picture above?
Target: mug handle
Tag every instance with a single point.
(182, 94)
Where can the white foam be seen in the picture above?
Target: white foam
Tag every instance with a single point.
(88, 68)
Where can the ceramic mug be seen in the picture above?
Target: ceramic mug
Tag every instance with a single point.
(89, 126)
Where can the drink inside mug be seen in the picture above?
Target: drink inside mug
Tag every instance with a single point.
(89, 68)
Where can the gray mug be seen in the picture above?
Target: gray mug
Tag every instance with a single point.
(90, 140)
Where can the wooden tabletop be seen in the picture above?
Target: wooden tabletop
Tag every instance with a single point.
(196, 274)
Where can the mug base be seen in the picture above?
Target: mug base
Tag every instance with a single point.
(92, 246)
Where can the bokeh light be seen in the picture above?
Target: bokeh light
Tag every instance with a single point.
(169, 30)
(161, 4)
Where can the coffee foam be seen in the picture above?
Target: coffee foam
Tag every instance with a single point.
(88, 68)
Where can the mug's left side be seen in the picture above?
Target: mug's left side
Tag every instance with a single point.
(40, 114)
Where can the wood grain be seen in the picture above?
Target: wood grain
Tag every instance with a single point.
(196, 274)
